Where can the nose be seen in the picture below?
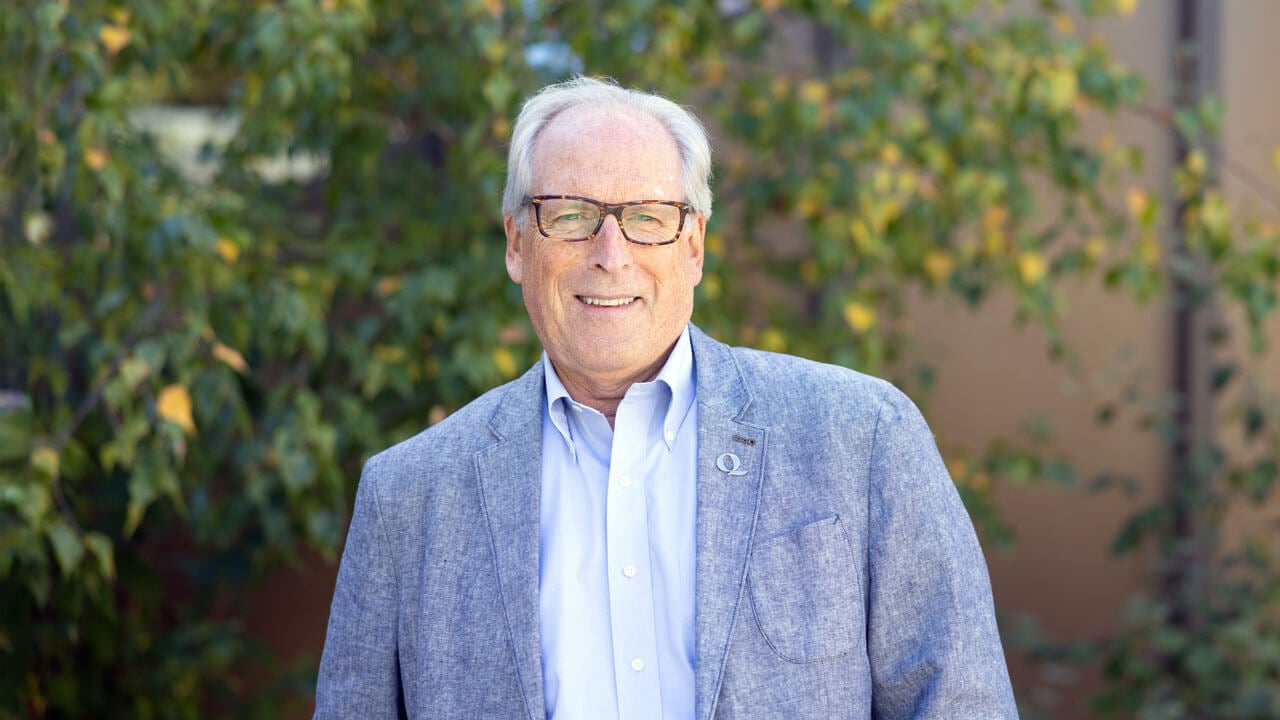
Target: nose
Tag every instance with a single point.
(610, 250)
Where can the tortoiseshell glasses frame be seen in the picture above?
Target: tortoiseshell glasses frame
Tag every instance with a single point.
(660, 217)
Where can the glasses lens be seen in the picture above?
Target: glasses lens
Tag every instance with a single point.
(651, 224)
(568, 219)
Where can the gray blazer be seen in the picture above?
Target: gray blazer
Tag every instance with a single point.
(837, 577)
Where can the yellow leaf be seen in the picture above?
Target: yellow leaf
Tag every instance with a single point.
(1059, 88)
(860, 316)
(890, 154)
(938, 264)
(46, 461)
(228, 249)
(95, 158)
(390, 354)
(1196, 163)
(813, 91)
(862, 239)
(711, 287)
(808, 207)
(994, 216)
(1137, 200)
(389, 285)
(773, 340)
(231, 357)
(505, 362)
(174, 405)
(1064, 24)
(114, 38)
(1149, 250)
(715, 244)
(1031, 267)
(715, 71)
(1094, 248)
(1127, 7)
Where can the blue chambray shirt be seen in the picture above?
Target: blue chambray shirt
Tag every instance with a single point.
(617, 553)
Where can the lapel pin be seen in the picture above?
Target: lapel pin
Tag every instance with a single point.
(731, 464)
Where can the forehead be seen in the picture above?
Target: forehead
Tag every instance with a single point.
(605, 150)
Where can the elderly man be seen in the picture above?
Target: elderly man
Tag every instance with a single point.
(648, 523)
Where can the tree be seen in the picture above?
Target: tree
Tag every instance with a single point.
(198, 355)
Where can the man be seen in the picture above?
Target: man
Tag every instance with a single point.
(648, 523)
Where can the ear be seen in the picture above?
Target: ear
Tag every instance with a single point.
(695, 252)
(515, 261)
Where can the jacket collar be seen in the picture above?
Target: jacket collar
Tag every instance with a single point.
(509, 473)
(730, 471)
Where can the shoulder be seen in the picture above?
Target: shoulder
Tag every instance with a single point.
(449, 446)
(776, 380)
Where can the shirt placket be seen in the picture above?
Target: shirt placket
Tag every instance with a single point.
(635, 643)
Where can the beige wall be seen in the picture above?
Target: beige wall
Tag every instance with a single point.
(1250, 87)
(995, 379)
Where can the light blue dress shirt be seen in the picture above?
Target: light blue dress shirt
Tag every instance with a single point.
(616, 570)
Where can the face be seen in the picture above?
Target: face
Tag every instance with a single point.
(607, 311)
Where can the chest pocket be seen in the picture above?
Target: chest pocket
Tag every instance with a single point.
(806, 593)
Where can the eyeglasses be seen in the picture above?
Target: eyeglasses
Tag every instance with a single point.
(573, 218)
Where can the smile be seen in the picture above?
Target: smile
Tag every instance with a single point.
(607, 302)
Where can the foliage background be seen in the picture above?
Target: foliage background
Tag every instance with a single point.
(198, 353)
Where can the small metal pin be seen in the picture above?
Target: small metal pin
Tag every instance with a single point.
(731, 464)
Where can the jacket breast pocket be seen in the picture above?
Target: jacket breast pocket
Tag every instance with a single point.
(806, 592)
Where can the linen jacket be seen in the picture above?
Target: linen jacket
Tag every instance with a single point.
(837, 572)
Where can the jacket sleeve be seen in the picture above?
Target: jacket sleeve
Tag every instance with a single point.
(932, 639)
(359, 670)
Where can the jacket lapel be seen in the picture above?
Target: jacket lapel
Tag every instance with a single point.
(510, 473)
(729, 474)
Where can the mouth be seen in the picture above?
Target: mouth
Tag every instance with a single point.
(607, 302)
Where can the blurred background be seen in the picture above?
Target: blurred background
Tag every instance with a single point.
(245, 244)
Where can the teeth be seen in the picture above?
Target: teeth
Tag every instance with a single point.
(607, 302)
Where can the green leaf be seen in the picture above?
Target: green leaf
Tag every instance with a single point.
(1222, 375)
(100, 546)
(67, 546)
(16, 420)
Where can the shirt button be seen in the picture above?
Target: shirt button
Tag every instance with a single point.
(637, 664)
(578, 408)
(625, 481)
(671, 435)
(629, 571)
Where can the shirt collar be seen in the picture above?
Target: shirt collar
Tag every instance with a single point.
(677, 374)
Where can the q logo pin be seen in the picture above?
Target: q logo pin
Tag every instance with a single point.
(730, 464)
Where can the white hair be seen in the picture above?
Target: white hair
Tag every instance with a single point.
(685, 128)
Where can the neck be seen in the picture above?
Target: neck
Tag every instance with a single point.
(604, 394)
